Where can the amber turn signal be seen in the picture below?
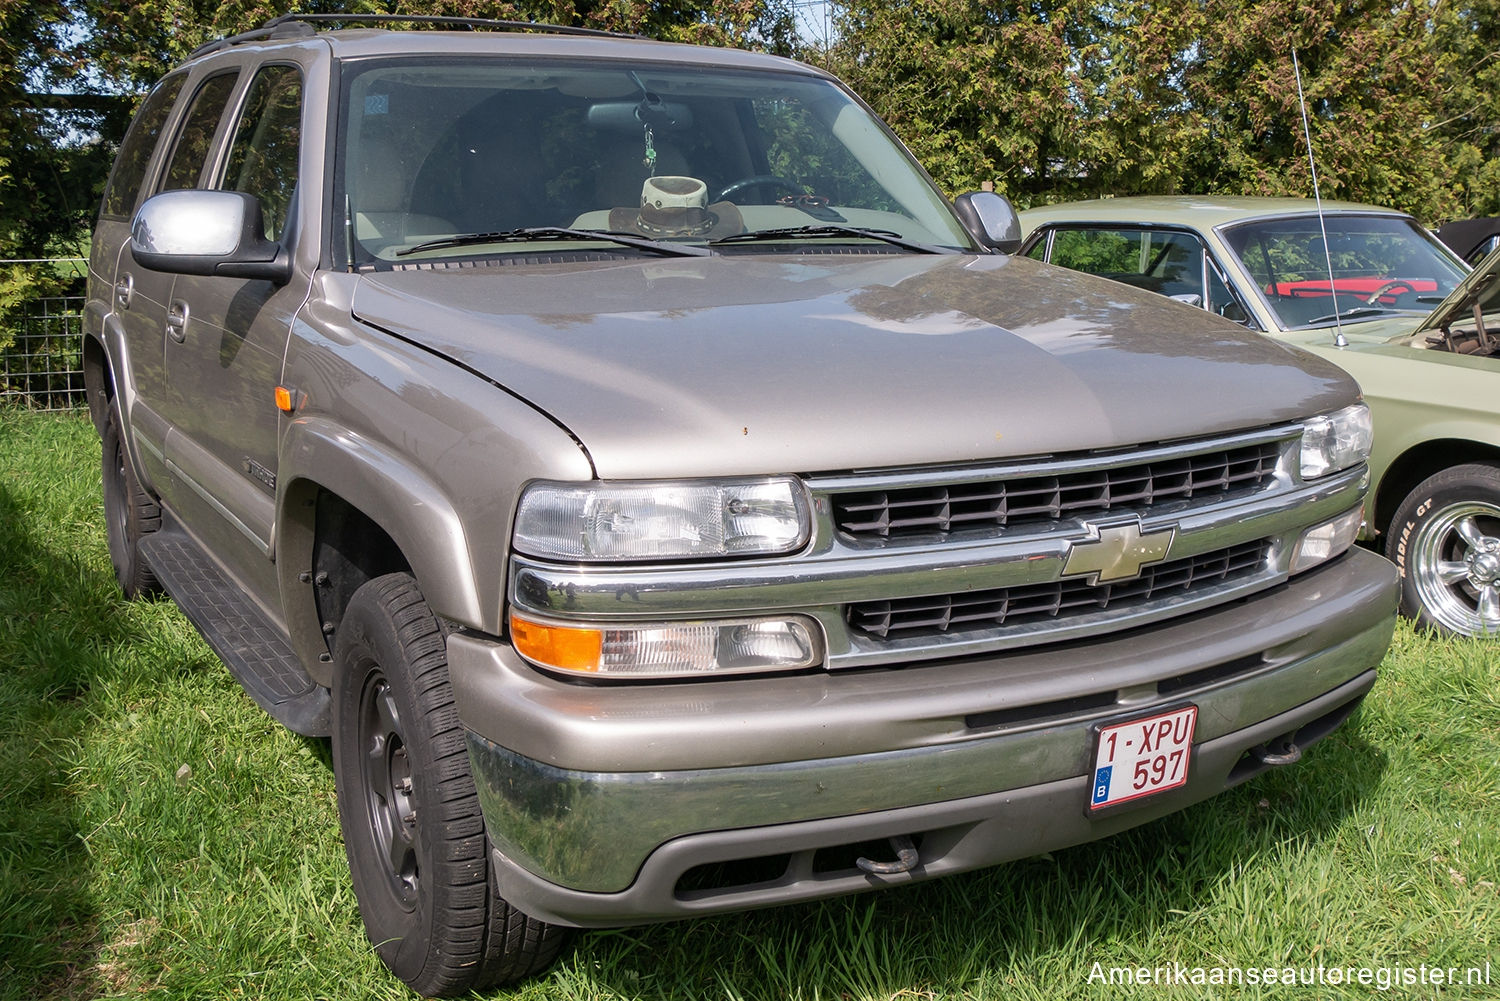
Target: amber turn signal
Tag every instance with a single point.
(283, 399)
(563, 647)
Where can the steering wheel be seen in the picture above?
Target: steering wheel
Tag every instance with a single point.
(1385, 287)
(755, 180)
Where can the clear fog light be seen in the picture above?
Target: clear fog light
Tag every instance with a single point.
(667, 649)
(1323, 542)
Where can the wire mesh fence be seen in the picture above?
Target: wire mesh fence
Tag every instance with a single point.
(42, 366)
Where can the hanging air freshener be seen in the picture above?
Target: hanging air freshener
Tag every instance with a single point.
(650, 160)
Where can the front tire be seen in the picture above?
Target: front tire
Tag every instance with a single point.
(1445, 540)
(412, 827)
(129, 514)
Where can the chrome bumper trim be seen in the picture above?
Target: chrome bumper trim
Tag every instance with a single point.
(955, 836)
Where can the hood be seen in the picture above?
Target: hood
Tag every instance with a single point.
(804, 364)
(1480, 287)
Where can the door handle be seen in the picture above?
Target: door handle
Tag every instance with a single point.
(177, 320)
(124, 291)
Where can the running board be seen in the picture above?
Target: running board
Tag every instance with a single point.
(256, 651)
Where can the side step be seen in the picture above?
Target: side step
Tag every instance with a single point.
(257, 653)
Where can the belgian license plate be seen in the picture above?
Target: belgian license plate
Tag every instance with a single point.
(1142, 757)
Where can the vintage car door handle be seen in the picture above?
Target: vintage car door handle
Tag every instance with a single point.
(177, 320)
(124, 291)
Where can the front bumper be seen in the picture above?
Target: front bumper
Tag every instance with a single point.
(616, 805)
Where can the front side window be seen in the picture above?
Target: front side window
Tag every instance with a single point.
(447, 150)
(196, 136)
(1379, 264)
(267, 141)
(1163, 261)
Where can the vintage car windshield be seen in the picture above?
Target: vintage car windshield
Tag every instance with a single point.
(440, 158)
(1380, 264)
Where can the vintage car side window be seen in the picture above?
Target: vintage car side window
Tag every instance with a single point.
(263, 158)
(124, 188)
(1093, 250)
(197, 134)
(1167, 262)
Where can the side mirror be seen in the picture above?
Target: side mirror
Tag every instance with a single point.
(207, 233)
(990, 219)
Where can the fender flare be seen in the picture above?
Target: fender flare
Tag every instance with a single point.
(317, 454)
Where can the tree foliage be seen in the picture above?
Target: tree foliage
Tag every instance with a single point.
(1049, 99)
(1060, 99)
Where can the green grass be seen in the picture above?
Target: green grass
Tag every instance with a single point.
(159, 835)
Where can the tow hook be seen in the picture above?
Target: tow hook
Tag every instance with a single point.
(1281, 751)
(906, 858)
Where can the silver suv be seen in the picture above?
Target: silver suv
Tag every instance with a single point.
(669, 504)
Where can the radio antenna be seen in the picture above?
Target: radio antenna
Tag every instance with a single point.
(1339, 340)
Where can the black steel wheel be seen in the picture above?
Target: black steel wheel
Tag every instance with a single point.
(129, 514)
(413, 830)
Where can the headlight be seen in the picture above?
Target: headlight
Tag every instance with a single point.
(667, 649)
(612, 521)
(1336, 441)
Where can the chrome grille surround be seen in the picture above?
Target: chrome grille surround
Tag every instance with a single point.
(837, 572)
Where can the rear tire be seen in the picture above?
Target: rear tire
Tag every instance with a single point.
(129, 514)
(413, 831)
(1445, 540)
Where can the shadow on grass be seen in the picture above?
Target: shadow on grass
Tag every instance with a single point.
(61, 623)
(1036, 921)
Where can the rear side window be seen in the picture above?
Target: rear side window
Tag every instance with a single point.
(124, 189)
(263, 159)
(197, 133)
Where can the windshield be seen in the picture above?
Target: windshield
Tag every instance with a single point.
(441, 159)
(1380, 264)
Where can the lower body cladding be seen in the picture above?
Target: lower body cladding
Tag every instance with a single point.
(620, 805)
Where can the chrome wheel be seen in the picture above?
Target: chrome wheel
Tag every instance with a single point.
(1455, 568)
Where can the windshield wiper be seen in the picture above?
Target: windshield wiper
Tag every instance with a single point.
(1353, 312)
(800, 232)
(531, 233)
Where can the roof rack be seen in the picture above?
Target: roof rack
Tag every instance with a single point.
(301, 26)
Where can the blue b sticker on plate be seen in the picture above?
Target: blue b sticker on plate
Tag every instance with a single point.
(1101, 783)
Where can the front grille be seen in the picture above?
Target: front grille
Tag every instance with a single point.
(1022, 500)
(1055, 600)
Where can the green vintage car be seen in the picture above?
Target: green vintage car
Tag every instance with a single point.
(1374, 292)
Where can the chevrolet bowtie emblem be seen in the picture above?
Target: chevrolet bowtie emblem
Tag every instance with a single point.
(1117, 552)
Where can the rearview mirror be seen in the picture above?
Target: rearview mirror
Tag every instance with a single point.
(207, 233)
(990, 219)
(630, 116)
